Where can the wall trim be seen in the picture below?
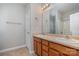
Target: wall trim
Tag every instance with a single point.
(32, 53)
(13, 48)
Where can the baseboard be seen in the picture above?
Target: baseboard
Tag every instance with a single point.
(13, 48)
(31, 52)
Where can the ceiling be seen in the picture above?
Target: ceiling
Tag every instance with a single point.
(65, 7)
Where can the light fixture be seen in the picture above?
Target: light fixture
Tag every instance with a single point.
(47, 4)
(42, 8)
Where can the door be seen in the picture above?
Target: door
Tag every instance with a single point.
(11, 25)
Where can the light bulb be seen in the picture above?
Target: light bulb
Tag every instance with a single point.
(42, 8)
(47, 4)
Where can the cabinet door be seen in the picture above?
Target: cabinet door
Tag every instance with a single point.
(45, 48)
(35, 46)
(45, 42)
(44, 53)
(63, 49)
(53, 52)
(38, 47)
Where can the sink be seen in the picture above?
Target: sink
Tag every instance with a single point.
(59, 39)
(74, 41)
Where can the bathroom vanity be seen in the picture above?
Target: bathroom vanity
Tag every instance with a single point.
(46, 45)
(58, 24)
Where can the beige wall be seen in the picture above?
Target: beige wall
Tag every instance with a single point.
(36, 16)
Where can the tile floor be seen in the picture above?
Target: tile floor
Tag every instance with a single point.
(17, 52)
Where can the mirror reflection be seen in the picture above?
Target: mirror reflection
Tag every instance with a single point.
(61, 18)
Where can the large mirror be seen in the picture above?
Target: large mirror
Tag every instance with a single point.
(74, 23)
(52, 24)
(63, 18)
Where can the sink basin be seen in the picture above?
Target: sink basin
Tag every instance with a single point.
(59, 39)
(74, 41)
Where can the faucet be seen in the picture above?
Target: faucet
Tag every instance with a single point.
(67, 36)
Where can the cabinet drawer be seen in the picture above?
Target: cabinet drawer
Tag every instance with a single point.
(53, 52)
(37, 39)
(45, 42)
(44, 53)
(45, 48)
(63, 49)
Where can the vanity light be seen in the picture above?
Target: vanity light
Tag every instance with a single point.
(47, 4)
(42, 8)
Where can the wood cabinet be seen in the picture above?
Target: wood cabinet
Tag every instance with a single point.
(53, 52)
(38, 49)
(45, 42)
(37, 46)
(63, 49)
(43, 47)
(44, 53)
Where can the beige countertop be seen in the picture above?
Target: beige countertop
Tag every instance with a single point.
(60, 39)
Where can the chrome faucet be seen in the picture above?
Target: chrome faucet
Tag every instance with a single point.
(67, 36)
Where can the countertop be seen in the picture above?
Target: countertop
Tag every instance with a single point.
(73, 43)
